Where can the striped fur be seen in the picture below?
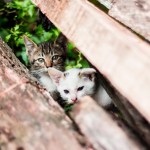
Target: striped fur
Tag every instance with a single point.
(45, 55)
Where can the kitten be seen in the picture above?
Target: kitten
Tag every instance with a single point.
(76, 83)
(45, 55)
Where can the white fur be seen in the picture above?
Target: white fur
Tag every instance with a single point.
(102, 97)
(46, 81)
(71, 81)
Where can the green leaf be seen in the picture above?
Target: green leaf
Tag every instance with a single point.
(25, 57)
(16, 27)
(70, 46)
(7, 38)
(68, 107)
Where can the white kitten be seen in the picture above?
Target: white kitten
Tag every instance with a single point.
(76, 83)
(44, 79)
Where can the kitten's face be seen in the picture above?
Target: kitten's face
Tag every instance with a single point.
(74, 83)
(48, 54)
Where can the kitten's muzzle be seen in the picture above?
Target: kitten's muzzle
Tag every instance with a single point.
(49, 64)
(74, 100)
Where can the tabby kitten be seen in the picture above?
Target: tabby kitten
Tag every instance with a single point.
(45, 55)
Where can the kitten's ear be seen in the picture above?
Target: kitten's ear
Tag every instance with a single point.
(87, 73)
(55, 75)
(31, 47)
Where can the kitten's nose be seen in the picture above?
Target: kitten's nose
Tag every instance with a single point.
(49, 64)
(74, 100)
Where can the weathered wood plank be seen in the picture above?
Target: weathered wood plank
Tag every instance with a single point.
(130, 115)
(119, 55)
(29, 118)
(101, 130)
(134, 14)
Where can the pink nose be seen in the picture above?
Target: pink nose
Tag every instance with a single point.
(74, 100)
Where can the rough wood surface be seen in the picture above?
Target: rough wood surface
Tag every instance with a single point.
(131, 116)
(101, 130)
(134, 14)
(119, 55)
(29, 118)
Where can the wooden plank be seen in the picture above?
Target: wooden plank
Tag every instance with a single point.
(134, 14)
(100, 129)
(119, 55)
(130, 115)
(29, 118)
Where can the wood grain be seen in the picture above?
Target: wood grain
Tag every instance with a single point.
(119, 55)
(134, 14)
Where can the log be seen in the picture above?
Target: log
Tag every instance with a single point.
(107, 45)
(101, 130)
(134, 14)
(29, 118)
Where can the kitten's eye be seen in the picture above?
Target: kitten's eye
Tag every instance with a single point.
(80, 88)
(55, 57)
(66, 91)
(40, 60)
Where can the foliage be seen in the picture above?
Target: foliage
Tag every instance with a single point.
(68, 107)
(75, 58)
(20, 17)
